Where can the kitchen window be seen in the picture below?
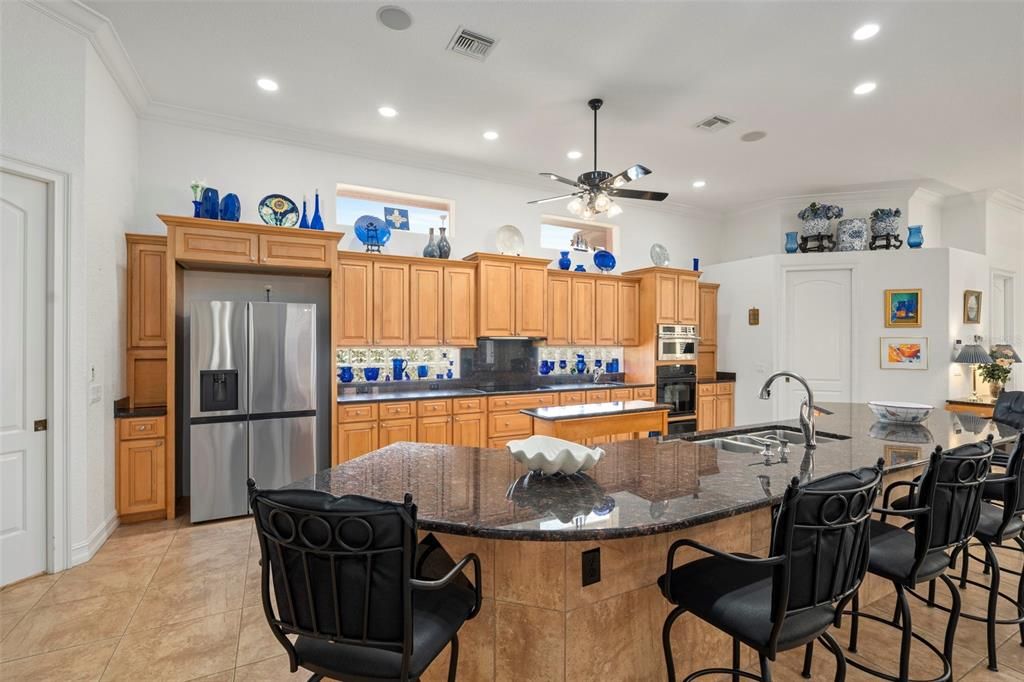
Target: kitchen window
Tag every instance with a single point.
(406, 212)
(565, 234)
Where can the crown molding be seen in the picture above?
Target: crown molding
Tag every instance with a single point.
(900, 190)
(100, 33)
(1007, 199)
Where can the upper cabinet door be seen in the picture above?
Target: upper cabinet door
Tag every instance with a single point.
(426, 295)
(583, 310)
(147, 295)
(629, 314)
(354, 287)
(216, 246)
(531, 300)
(606, 312)
(497, 298)
(390, 303)
(459, 306)
(559, 310)
(289, 250)
(687, 293)
(707, 327)
(666, 297)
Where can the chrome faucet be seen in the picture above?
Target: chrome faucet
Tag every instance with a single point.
(598, 372)
(806, 407)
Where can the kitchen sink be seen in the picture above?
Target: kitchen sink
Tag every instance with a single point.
(754, 441)
(791, 437)
(729, 445)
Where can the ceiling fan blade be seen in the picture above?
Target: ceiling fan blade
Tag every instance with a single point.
(637, 194)
(544, 201)
(559, 178)
(629, 175)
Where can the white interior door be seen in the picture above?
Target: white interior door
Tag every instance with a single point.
(818, 328)
(23, 380)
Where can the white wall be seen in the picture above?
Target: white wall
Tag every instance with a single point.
(172, 155)
(65, 113)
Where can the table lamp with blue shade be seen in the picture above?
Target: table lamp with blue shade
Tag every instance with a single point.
(973, 354)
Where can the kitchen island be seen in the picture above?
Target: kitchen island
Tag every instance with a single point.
(580, 422)
(545, 617)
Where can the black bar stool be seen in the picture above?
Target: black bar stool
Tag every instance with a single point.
(342, 569)
(999, 522)
(819, 554)
(942, 509)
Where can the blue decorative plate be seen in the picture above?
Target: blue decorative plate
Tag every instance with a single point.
(277, 209)
(372, 231)
(604, 260)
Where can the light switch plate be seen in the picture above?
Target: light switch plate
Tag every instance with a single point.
(95, 393)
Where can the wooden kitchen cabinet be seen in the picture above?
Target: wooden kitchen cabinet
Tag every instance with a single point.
(147, 291)
(531, 294)
(141, 466)
(209, 245)
(290, 250)
(583, 310)
(606, 312)
(673, 293)
(355, 439)
(426, 305)
(354, 286)
(628, 313)
(469, 430)
(434, 430)
(687, 298)
(715, 406)
(724, 411)
(390, 303)
(459, 306)
(707, 329)
(396, 430)
(707, 361)
(511, 295)
(496, 282)
(666, 298)
(707, 414)
(559, 309)
(146, 377)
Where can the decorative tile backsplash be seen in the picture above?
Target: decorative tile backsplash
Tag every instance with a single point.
(437, 359)
(590, 354)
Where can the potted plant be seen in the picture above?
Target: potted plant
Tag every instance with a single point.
(997, 372)
(816, 218)
(885, 221)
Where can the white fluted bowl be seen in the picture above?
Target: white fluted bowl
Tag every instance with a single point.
(900, 413)
(554, 455)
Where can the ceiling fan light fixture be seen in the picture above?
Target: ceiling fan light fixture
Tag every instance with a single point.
(602, 203)
(614, 210)
(575, 206)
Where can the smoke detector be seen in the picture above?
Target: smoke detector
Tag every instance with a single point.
(395, 18)
(471, 44)
(714, 123)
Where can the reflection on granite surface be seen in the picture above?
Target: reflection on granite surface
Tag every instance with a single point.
(655, 485)
(569, 498)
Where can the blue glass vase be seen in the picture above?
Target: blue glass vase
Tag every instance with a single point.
(915, 239)
(791, 245)
(696, 264)
(210, 205)
(230, 207)
(197, 208)
(304, 220)
(317, 223)
(345, 374)
(564, 262)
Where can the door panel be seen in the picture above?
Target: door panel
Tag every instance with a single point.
(497, 298)
(282, 357)
(583, 310)
(606, 313)
(819, 309)
(559, 310)
(147, 295)
(23, 229)
(391, 303)
(355, 320)
(218, 470)
(459, 306)
(426, 296)
(629, 314)
(282, 451)
(666, 297)
(217, 341)
(531, 300)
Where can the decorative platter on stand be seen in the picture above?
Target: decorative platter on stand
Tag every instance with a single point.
(510, 240)
(659, 255)
(279, 210)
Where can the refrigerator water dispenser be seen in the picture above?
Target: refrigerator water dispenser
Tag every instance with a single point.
(218, 390)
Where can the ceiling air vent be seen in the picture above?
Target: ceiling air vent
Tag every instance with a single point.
(714, 123)
(470, 44)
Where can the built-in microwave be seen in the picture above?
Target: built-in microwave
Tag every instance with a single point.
(677, 342)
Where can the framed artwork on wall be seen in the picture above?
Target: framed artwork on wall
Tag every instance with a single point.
(901, 454)
(903, 308)
(899, 352)
(972, 307)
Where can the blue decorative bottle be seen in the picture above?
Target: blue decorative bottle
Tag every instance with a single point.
(581, 364)
(317, 223)
(791, 245)
(210, 207)
(915, 239)
(304, 221)
(564, 262)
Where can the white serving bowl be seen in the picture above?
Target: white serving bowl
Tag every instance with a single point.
(554, 455)
(900, 413)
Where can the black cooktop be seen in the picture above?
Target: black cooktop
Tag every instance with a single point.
(511, 388)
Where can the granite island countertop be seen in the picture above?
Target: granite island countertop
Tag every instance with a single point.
(563, 412)
(640, 487)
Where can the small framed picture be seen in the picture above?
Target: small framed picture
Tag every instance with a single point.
(904, 352)
(902, 308)
(972, 307)
(902, 454)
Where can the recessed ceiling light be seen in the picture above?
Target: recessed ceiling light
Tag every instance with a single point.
(395, 18)
(866, 31)
(753, 136)
(491, 135)
(864, 88)
(267, 84)
(387, 112)
(574, 154)
(698, 184)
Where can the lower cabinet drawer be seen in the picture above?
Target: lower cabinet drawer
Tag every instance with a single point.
(357, 413)
(618, 394)
(643, 393)
(706, 389)
(142, 427)
(571, 398)
(467, 405)
(510, 424)
(724, 388)
(521, 402)
(433, 408)
(598, 396)
(397, 410)
(498, 443)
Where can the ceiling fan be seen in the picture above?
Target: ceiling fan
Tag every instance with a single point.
(596, 190)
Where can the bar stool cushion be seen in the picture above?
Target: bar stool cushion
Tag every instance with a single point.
(991, 518)
(892, 553)
(437, 616)
(737, 599)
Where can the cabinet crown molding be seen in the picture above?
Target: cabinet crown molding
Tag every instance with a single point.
(477, 256)
(654, 269)
(175, 221)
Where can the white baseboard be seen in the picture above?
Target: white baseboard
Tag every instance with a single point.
(83, 551)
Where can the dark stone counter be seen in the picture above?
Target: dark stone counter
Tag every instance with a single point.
(640, 487)
(381, 392)
(122, 411)
(562, 412)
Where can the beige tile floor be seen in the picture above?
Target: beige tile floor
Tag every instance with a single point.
(169, 601)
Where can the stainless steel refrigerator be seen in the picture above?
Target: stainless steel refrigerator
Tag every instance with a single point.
(252, 388)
